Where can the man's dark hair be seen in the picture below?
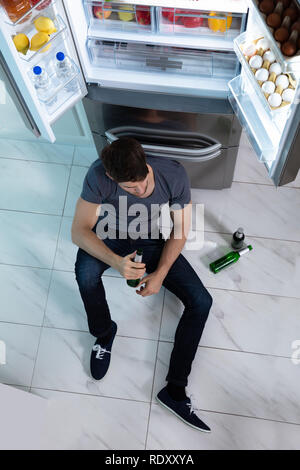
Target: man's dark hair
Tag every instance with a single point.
(125, 160)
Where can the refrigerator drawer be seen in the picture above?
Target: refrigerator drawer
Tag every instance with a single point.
(138, 57)
(213, 174)
(113, 16)
(195, 23)
(208, 165)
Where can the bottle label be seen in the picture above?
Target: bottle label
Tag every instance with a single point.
(138, 258)
(242, 252)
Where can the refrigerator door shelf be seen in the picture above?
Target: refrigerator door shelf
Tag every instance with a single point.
(262, 133)
(271, 114)
(33, 57)
(63, 90)
(42, 8)
(166, 60)
(291, 64)
(116, 17)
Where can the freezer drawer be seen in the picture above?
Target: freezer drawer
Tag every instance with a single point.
(107, 108)
(208, 165)
(213, 174)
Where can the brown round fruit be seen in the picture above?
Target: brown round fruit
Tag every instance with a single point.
(266, 6)
(274, 20)
(281, 34)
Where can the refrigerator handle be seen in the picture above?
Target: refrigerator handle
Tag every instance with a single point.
(110, 137)
(201, 159)
(17, 98)
(171, 152)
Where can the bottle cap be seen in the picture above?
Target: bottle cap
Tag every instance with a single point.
(239, 233)
(60, 56)
(139, 251)
(37, 70)
(250, 247)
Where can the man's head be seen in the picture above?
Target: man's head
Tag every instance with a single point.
(125, 162)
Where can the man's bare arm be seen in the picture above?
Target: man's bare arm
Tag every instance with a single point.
(174, 245)
(85, 218)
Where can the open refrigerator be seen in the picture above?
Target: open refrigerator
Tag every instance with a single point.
(164, 47)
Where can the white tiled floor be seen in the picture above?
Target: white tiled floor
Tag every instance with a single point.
(246, 386)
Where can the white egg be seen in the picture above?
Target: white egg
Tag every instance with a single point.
(275, 100)
(288, 95)
(282, 81)
(268, 87)
(262, 75)
(256, 61)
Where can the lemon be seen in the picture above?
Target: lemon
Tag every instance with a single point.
(21, 42)
(38, 40)
(45, 25)
(125, 15)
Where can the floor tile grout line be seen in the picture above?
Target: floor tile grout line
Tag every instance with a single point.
(205, 231)
(154, 372)
(119, 277)
(51, 275)
(36, 161)
(266, 184)
(203, 346)
(153, 403)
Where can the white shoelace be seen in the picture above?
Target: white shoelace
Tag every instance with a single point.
(100, 351)
(192, 406)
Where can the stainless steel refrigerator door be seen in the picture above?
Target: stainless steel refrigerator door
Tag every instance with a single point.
(199, 140)
(14, 92)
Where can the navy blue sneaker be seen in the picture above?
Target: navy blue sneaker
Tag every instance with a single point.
(183, 409)
(100, 357)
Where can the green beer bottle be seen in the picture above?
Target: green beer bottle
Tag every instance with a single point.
(228, 259)
(137, 259)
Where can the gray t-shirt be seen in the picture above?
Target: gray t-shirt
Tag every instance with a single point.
(130, 214)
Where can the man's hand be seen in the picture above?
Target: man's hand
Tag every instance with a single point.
(153, 284)
(129, 269)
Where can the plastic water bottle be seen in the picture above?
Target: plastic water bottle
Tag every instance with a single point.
(64, 71)
(43, 86)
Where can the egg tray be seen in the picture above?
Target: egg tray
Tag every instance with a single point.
(291, 63)
(292, 81)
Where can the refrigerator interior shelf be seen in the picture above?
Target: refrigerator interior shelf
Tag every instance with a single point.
(245, 38)
(174, 40)
(43, 7)
(59, 36)
(290, 64)
(62, 90)
(262, 134)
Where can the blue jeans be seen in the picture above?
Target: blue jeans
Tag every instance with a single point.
(181, 280)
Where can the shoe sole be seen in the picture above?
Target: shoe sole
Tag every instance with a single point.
(178, 416)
